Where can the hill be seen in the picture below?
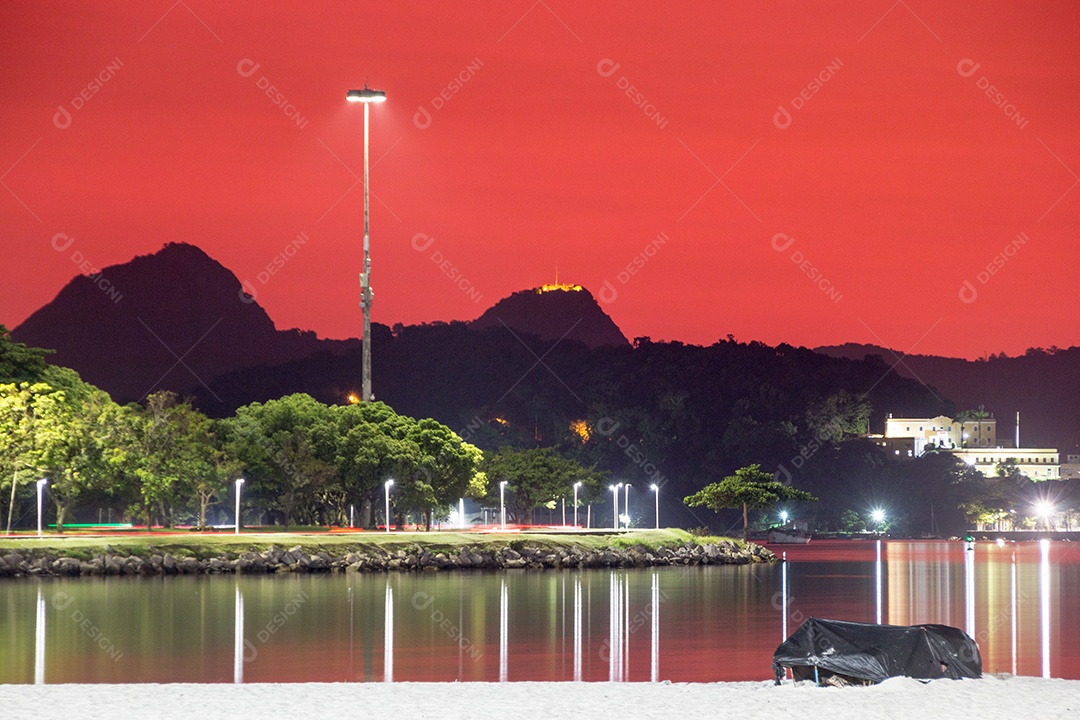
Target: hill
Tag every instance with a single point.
(554, 312)
(172, 320)
(1041, 384)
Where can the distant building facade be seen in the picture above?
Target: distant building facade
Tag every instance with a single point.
(942, 432)
(972, 441)
(1035, 463)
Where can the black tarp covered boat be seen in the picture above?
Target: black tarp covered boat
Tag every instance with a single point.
(841, 652)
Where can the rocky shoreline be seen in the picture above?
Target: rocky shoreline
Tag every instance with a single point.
(113, 562)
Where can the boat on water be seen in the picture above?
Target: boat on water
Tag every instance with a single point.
(788, 536)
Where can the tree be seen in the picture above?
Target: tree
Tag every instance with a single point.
(281, 446)
(749, 487)
(534, 477)
(19, 363)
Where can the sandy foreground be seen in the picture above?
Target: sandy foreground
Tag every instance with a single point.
(988, 698)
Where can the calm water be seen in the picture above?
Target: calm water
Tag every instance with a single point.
(1021, 602)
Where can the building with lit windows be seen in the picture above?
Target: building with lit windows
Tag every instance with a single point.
(942, 432)
(972, 441)
(1035, 463)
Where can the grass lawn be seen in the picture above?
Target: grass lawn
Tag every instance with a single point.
(202, 545)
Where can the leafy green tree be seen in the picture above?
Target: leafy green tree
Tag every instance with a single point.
(279, 445)
(838, 416)
(749, 487)
(21, 405)
(19, 363)
(69, 447)
(534, 477)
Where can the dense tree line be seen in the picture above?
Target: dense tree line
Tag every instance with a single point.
(162, 462)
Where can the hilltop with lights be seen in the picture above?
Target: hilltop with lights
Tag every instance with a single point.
(555, 311)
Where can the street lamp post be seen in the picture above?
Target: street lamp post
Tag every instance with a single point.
(40, 488)
(615, 496)
(366, 96)
(576, 486)
(239, 482)
(502, 504)
(656, 491)
(783, 517)
(626, 504)
(386, 494)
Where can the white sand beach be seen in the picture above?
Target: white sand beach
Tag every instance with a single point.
(986, 699)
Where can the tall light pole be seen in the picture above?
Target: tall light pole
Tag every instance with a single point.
(615, 496)
(40, 488)
(366, 96)
(576, 486)
(386, 493)
(239, 482)
(656, 491)
(626, 504)
(502, 504)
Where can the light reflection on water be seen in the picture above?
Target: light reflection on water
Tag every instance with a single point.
(1018, 601)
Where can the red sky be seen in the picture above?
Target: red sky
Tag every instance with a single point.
(899, 178)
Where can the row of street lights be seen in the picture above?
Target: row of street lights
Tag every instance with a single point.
(386, 493)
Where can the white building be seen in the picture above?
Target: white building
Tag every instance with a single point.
(973, 441)
(1071, 467)
(1035, 463)
(942, 431)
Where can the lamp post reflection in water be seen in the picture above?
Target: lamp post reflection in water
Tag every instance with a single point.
(877, 581)
(238, 637)
(1012, 597)
(504, 629)
(783, 597)
(577, 629)
(388, 635)
(1044, 604)
(654, 674)
(39, 641)
(969, 588)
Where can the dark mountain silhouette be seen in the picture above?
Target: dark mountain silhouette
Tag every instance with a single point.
(554, 312)
(667, 413)
(173, 320)
(1043, 385)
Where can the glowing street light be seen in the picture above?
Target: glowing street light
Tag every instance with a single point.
(615, 496)
(40, 488)
(576, 486)
(502, 504)
(366, 96)
(1045, 508)
(386, 493)
(656, 491)
(878, 516)
(783, 517)
(239, 482)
